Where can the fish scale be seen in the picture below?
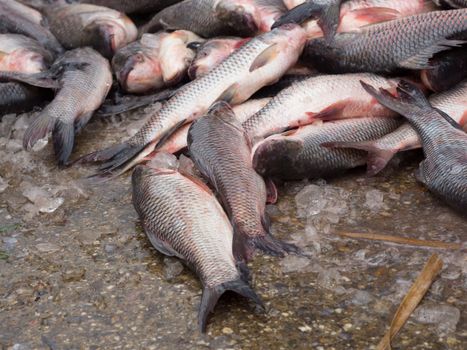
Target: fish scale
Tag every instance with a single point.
(16, 97)
(403, 43)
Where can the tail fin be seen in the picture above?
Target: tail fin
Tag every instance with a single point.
(410, 98)
(38, 129)
(328, 15)
(244, 244)
(377, 159)
(211, 296)
(63, 136)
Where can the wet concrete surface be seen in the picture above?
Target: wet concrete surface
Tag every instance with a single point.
(77, 272)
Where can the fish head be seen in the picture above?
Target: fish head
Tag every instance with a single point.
(289, 39)
(137, 71)
(24, 61)
(275, 155)
(241, 15)
(108, 35)
(210, 54)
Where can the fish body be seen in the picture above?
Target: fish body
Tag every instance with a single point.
(221, 151)
(300, 154)
(452, 102)
(258, 63)
(451, 3)
(446, 70)
(182, 218)
(19, 53)
(444, 170)
(137, 66)
(103, 29)
(178, 140)
(21, 19)
(18, 98)
(84, 84)
(133, 6)
(406, 43)
(321, 97)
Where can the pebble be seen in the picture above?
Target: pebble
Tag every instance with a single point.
(304, 328)
(47, 247)
(227, 330)
(348, 327)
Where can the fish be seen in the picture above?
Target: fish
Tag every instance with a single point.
(444, 169)
(446, 69)
(210, 18)
(327, 12)
(178, 140)
(103, 29)
(356, 14)
(451, 3)
(85, 80)
(323, 97)
(211, 53)
(175, 55)
(258, 63)
(221, 151)
(388, 47)
(17, 18)
(182, 218)
(19, 53)
(18, 98)
(452, 102)
(301, 153)
(137, 66)
(133, 6)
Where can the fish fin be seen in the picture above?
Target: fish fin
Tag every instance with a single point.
(377, 158)
(448, 118)
(38, 129)
(376, 14)
(265, 57)
(271, 191)
(39, 79)
(421, 59)
(197, 181)
(82, 120)
(212, 294)
(161, 246)
(328, 16)
(229, 94)
(63, 136)
(332, 112)
(245, 244)
(419, 176)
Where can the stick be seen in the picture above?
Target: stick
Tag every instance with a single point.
(401, 240)
(412, 299)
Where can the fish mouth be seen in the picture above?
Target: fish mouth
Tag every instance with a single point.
(127, 69)
(192, 70)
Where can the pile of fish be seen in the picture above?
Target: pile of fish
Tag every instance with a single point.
(253, 91)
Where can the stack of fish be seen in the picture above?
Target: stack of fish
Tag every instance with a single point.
(260, 90)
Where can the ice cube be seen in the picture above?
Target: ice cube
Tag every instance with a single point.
(3, 184)
(42, 199)
(445, 317)
(374, 200)
(163, 160)
(292, 263)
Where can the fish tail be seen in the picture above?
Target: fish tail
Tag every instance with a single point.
(377, 158)
(244, 244)
(212, 294)
(409, 99)
(327, 15)
(115, 158)
(63, 137)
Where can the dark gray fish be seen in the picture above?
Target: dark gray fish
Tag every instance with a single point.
(301, 154)
(221, 150)
(457, 4)
(21, 19)
(446, 70)
(182, 218)
(326, 11)
(444, 170)
(210, 18)
(406, 43)
(18, 98)
(84, 83)
(104, 29)
(133, 6)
